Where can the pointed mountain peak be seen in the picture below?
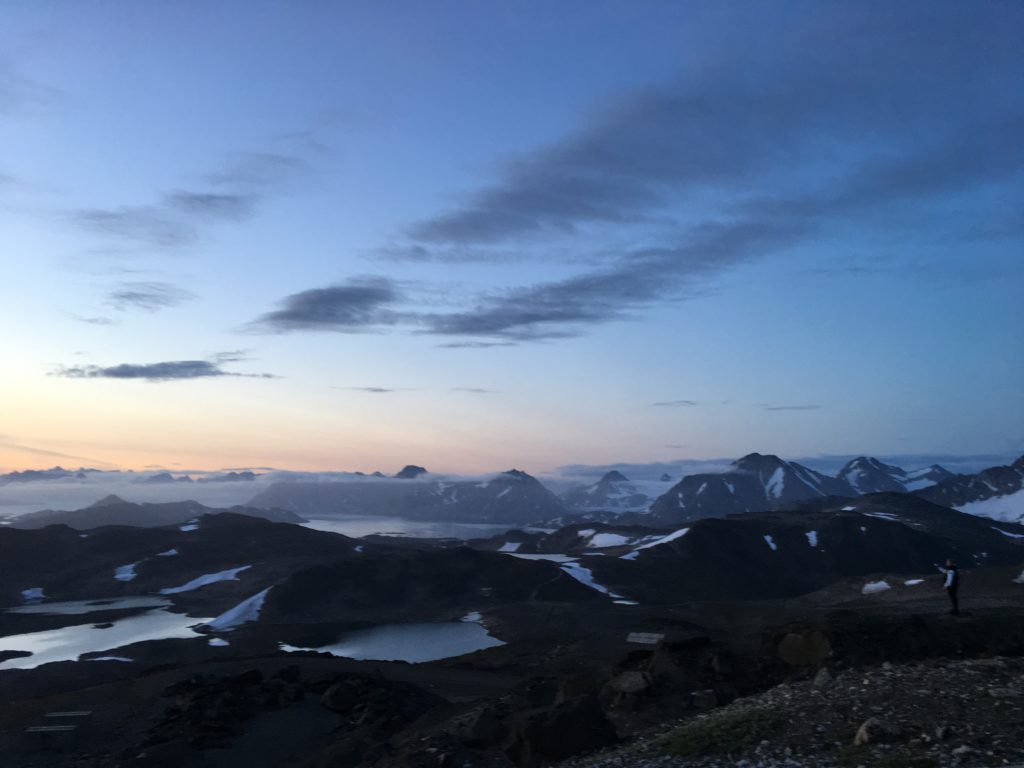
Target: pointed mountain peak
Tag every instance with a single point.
(757, 462)
(410, 472)
(614, 477)
(517, 475)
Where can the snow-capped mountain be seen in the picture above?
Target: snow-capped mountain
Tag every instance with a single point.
(996, 492)
(755, 483)
(615, 492)
(509, 497)
(512, 496)
(869, 475)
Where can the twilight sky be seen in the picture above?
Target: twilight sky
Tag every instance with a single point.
(479, 235)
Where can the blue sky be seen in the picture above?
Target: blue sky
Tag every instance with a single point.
(551, 233)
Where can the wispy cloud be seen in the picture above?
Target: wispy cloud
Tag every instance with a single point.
(791, 407)
(175, 370)
(362, 304)
(675, 403)
(374, 390)
(473, 390)
(178, 217)
(95, 320)
(723, 167)
(147, 296)
(476, 344)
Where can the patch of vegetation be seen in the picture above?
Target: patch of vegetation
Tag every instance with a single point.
(721, 733)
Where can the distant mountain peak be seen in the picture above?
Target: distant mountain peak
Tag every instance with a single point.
(614, 477)
(758, 462)
(410, 472)
(517, 474)
(109, 501)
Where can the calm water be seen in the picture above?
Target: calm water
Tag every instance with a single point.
(68, 643)
(358, 527)
(411, 642)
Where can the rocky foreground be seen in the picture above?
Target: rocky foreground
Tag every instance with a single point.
(931, 714)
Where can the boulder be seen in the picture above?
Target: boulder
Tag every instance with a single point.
(874, 730)
(809, 648)
(555, 733)
(625, 690)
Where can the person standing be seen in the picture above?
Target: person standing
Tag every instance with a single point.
(952, 585)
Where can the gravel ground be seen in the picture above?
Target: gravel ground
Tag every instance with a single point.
(934, 714)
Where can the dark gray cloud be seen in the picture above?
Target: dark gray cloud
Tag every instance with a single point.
(360, 305)
(675, 403)
(174, 370)
(791, 407)
(149, 297)
(844, 84)
(847, 123)
(563, 308)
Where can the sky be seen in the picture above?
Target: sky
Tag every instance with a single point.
(350, 236)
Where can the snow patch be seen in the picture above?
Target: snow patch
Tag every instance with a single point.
(882, 516)
(665, 539)
(209, 578)
(913, 582)
(126, 572)
(608, 540)
(189, 527)
(168, 553)
(584, 576)
(218, 642)
(32, 594)
(873, 587)
(1019, 579)
(1007, 509)
(770, 542)
(776, 483)
(246, 611)
(630, 555)
(1007, 533)
(472, 616)
(110, 658)
(812, 538)
(510, 546)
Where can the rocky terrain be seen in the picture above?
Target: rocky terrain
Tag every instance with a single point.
(929, 714)
(748, 637)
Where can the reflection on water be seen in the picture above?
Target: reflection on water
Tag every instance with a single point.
(68, 643)
(410, 642)
(356, 527)
(75, 607)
